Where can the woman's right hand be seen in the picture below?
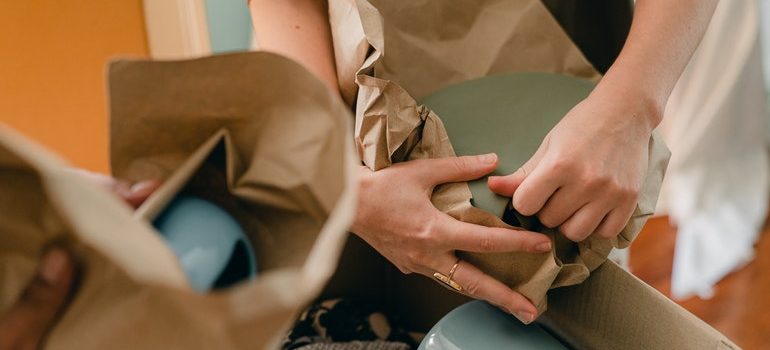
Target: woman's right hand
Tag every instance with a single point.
(396, 217)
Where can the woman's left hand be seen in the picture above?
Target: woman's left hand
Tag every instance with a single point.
(134, 194)
(586, 176)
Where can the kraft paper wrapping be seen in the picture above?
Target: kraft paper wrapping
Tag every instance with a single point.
(419, 47)
(256, 134)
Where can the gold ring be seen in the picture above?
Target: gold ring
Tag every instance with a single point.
(447, 280)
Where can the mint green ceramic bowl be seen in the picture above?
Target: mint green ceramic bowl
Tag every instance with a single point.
(508, 114)
(479, 326)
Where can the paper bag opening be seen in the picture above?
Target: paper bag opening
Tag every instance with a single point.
(255, 133)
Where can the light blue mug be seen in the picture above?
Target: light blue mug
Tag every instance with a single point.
(210, 244)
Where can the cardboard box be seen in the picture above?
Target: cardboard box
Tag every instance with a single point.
(612, 309)
(615, 310)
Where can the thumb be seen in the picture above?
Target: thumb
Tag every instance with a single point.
(455, 169)
(507, 185)
(27, 322)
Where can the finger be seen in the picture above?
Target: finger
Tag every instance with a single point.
(584, 221)
(481, 239)
(139, 192)
(454, 169)
(535, 190)
(561, 206)
(27, 321)
(479, 285)
(507, 185)
(134, 194)
(615, 221)
(100, 179)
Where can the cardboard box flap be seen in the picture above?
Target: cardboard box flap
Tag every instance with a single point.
(615, 310)
(612, 309)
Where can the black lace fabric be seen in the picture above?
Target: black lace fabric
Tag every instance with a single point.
(343, 324)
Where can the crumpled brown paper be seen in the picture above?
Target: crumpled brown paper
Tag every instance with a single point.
(255, 133)
(418, 47)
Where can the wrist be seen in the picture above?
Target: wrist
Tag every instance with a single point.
(364, 189)
(638, 104)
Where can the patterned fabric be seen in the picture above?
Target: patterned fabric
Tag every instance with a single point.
(342, 324)
(357, 345)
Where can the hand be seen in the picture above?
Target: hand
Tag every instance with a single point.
(26, 323)
(396, 217)
(586, 176)
(133, 194)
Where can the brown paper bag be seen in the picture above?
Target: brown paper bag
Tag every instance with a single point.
(254, 133)
(420, 46)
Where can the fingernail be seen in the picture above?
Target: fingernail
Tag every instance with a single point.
(543, 247)
(53, 264)
(142, 186)
(526, 317)
(488, 158)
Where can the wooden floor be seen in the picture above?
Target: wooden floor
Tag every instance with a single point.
(740, 307)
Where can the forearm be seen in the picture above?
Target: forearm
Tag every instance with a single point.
(299, 30)
(663, 37)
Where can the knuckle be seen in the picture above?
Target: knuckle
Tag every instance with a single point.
(593, 180)
(522, 204)
(608, 232)
(416, 258)
(487, 243)
(422, 238)
(604, 231)
(615, 185)
(427, 232)
(472, 287)
(460, 164)
(630, 193)
(574, 235)
(548, 219)
(559, 164)
(611, 231)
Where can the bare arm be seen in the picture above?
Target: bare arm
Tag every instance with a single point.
(663, 37)
(588, 172)
(299, 30)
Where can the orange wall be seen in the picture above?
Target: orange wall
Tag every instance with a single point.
(52, 64)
